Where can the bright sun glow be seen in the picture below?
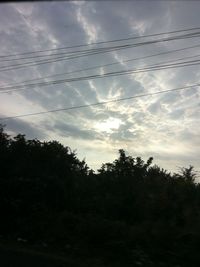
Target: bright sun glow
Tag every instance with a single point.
(108, 125)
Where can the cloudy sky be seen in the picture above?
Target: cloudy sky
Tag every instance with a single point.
(165, 126)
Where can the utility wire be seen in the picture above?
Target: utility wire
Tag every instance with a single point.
(98, 76)
(92, 52)
(100, 103)
(102, 42)
(106, 65)
(79, 53)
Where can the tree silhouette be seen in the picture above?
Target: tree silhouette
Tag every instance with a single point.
(47, 194)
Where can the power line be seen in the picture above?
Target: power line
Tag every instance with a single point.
(109, 64)
(102, 42)
(100, 103)
(90, 52)
(99, 76)
(79, 53)
(94, 50)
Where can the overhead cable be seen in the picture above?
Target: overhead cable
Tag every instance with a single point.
(100, 103)
(107, 65)
(90, 52)
(101, 42)
(99, 76)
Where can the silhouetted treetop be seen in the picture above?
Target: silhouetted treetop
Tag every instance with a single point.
(47, 193)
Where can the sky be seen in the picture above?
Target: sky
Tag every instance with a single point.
(165, 126)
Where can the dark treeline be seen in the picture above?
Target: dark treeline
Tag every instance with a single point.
(130, 211)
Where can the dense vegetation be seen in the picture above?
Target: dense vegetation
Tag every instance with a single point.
(129, 212)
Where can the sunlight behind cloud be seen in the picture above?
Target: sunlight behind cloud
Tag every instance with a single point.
(108, 125)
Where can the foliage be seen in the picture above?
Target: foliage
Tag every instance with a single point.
(48, 195)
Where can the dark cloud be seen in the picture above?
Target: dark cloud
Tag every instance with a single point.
(177, 114)
(69, 130)
(124, 133)
(187, 135)
(170, 98)
(156, 108)
(17, 126)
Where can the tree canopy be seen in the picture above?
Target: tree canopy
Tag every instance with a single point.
(47, 194)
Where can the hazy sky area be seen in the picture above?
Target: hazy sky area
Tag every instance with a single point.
(165, 126)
